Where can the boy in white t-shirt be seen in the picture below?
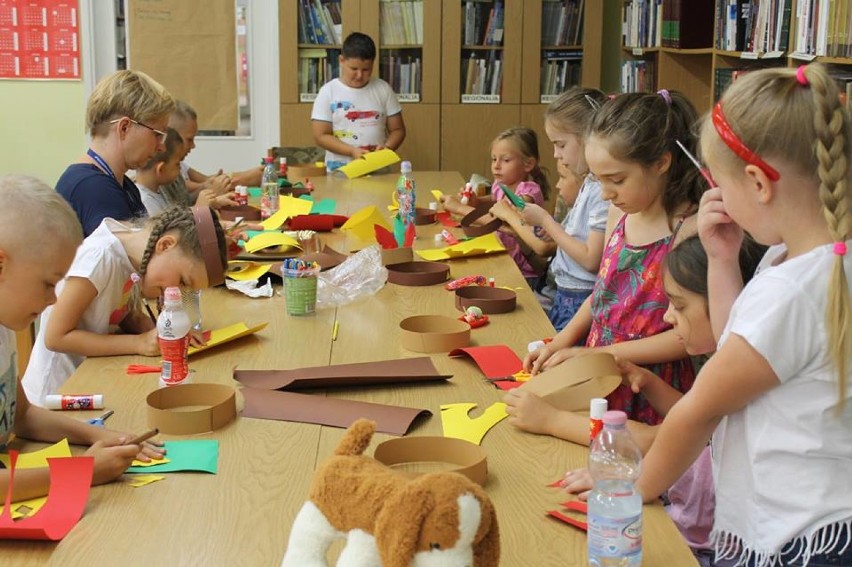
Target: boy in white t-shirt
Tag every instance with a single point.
(356, 113)
(161, 169)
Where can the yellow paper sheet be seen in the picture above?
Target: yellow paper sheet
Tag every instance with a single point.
(151, 463)
(33, 460)
(487, 244)
(369, 163)
(438, 194)
(139, 480)
(227, 334)
(394, 206)
(271, 239)
(288, 207)
(243, 271)
(458, 424)
(26, 508)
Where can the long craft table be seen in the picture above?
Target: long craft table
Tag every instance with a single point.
(243, 514)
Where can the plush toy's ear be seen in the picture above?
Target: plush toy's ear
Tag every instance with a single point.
(399, 523)
(486, 550)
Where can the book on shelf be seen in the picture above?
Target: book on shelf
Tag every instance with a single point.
(401, 22)
(559, 70)
(824, 28)
(482, 23)
(723, 79)
(638, 76)
(757, 26)
(562, 22)
(320, 22)
(402, 69)
(687, 24)
(641, 24)
(481, 74)
(316, 67)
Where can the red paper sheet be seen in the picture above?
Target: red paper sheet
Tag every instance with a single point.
(446, 219)
(495, 361)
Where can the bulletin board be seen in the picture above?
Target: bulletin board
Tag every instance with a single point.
(189, 47)
(39, 39)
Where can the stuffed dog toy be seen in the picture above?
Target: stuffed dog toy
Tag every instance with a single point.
(389, 519)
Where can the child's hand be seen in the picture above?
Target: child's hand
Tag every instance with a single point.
(196, 338)
(558, 357)
(504, 211)
(225, 200)
(579, 482)
(357, 153)
(218, 184)
(450, 203)
(534, 214)
(529, 412)
(147, 344)
(111, 459)
(720, 235)
(534, 360)
(635, 376)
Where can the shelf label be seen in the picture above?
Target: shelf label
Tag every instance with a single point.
(548, 98)
(748, 55)
(638, 51)
(408, 97)
(307, 97)
(803, 56)
(773, 54)
(480, 99)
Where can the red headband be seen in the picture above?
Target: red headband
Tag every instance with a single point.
(737, 146)
(209, 245)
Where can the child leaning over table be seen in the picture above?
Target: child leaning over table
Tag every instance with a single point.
(27, 283)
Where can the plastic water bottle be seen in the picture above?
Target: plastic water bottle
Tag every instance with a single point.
(615, 507)
(269, 189)
(405, 194)
(173, 336)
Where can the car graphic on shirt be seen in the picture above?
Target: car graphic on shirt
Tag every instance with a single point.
(354, 115)
(341, 105)
(339, 134)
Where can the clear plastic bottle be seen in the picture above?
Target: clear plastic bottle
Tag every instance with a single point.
(406, 194)
(173, 327)
(269, 189)
(615, 507)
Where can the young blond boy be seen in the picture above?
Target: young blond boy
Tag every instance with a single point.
(162, 169)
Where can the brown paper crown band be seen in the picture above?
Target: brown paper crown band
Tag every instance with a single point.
(209, 245)
(219, 401)
(469, 459)
(490, 299)
(478, 212)
(433, 333)
(418, 273)
(424, 216)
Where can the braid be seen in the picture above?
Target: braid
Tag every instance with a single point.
(179, 218)
(831, 125)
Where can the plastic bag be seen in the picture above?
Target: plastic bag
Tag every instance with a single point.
(360, 275)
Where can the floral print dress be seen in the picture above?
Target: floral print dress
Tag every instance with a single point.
(628, 303)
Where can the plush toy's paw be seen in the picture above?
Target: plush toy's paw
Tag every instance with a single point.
(310, 538)
(360, 551)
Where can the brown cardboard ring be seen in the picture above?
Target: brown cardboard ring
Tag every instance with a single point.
(247, 212)
(478, 212)
(424, 216)
(220, 410)
(418, 273)
(569, 386)
(433, 333)
(490, 299)
(470, 459)
(396, 255)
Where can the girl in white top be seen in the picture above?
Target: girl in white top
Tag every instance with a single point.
(776, 392)
(180, 247)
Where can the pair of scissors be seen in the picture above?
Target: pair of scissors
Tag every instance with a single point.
(99, 421)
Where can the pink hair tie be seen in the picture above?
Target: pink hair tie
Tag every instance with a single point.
(800, 76)
(840, 248)
(666, 96)
(134, 277)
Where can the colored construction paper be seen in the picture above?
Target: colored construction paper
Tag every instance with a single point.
(151, 463)
(38, 459)
(306, 408)
(385, 238)
(306, 196)
(201, 455)
(446, 219)
(397, 371)
(255, 191)
(271, 240)
(399, 231)
(458, 424)
(438, 194)
(287, 207)
(513, 198)
(70, 481)
(244, 271)
(487, 244)
(507, 385)
(495, 361)
(369, 163)
(573, 384)
(324, 207)
(227, 334)
(361, 223)
(139, 480)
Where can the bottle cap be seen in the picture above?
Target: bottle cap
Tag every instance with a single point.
(615, 417)
(405, 167)
(284, 160)
(268, 159)
(597, 408)
(172, 294)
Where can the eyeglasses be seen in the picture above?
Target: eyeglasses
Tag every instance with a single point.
(161, 136)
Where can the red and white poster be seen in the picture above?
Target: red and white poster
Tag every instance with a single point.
(39, 39)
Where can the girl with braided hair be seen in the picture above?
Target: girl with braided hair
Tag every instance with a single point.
(775, 397)
(114, 268)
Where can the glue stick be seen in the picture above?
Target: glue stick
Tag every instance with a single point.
(597, 409)
(76, 402)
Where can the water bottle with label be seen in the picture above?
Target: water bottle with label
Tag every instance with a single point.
(269, 195)
(173, 327)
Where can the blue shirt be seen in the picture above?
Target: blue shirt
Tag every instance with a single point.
(95, 195)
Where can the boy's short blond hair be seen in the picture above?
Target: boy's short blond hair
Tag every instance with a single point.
(127, 93)
(30, 208)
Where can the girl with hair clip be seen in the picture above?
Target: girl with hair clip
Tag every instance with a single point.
(578, 240)
(775, 396)
(631, 149)
(126, 116)
(113, 267)
(514, 164)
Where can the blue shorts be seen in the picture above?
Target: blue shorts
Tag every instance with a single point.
(565, 305)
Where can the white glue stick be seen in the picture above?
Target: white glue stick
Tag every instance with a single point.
(75, 402)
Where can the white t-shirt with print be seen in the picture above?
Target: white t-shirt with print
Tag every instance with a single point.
(102, 260)
(8, 384)
(155, 203)
(358, 116)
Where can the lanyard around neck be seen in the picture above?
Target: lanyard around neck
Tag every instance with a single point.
(101, 163)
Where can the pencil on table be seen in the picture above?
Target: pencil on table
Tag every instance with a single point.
(144, 437)
(334, 332)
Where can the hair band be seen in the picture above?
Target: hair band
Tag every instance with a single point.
(737, 146)
(800, 76)
(666, 95)
(840, 248)
(203, 217)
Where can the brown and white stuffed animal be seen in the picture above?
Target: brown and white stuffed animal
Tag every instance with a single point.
(389, 519)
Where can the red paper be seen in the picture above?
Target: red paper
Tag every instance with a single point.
(495, 361)
(410, 234)
(39, 39)
(384, 237)
(70, 481)
(507, 385)
(568, 520)
(320, 223)
(446, 219)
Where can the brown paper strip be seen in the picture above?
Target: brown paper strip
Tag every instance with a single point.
(327, 258)
(220, 402)
(470, 459)
(424, 216)
(489, 299)
(397, 371)
(479, 211)
(418, 273)
(396, 255)
(572, 384)
(306, 408)
(247, 212)
(433, 333)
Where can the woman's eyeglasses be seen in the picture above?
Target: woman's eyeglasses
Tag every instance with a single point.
(161, 136)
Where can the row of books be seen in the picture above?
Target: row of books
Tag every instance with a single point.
(320, 22)
(401, 22)
(317, 67)
(640, 23)
(560, 71)
(723, 79)
(637, 76)
(402, 72)
(482, 23)
(753, 25)
(562, 22)
(481, 75)
(824, 27)
(687, 24)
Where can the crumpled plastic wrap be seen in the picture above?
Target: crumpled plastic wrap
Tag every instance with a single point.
(360, 275)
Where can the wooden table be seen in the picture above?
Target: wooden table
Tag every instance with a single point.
(242, 515)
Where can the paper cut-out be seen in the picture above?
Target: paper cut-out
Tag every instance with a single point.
(446, 219)
(369, 163)
(324, 207)
(37, 459)
(139, 480)
(438, 194)
(458, 424)
(200, 455)
(576, 506)
(271, 240)
(305, 408)
(287, 207)
(362, 222)
(245, 271)
(227, 334)
(70, 481)
(151, 463)
(571, 385)
(487, 244)
(495, 361)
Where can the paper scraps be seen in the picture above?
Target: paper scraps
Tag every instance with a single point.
(250, 287)
(488, 244)
(458, 424)
(200, 455)
(140, 480)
